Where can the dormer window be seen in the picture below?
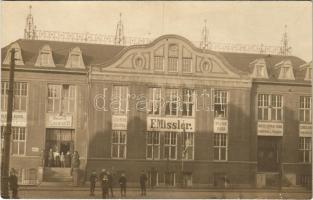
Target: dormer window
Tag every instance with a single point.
(75, 59)
(285, 70)
(45, 57)
(259, 69)
(308, 74)
(18, 55)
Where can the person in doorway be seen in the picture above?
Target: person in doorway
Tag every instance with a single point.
(110, 183)
(13, 183)
(62, 159)
(143, 179)
(123, 181)
(56, 157)
(50, 158)
(105, 186)
(67, 159)
(93, 179)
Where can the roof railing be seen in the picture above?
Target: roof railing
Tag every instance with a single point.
(110, 40)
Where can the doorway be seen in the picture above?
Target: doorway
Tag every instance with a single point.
(269, 154)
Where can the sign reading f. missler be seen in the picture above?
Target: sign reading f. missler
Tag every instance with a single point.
(170, 124)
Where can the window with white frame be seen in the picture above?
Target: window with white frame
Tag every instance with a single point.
(186, 65)
(172, 100)
(188, 146)
(54, 98)
(158, 63)
(2, 137)
(260, 70)
(173, 64)
(220, 103)
(188, 102)
(305, 148)
(120, 99)
(170, 178)
(18, 140)
(220, 146)
(75, 60)
(20, 96)
(305, 108)
(44, 58)
(154, 102)
(285, 72)
(170, 145)
(153, 145)
(61, 98)
(119, 141)
(270, 107)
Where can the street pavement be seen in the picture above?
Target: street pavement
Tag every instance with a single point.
(134, 193)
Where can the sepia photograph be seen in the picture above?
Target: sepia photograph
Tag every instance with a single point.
(156, 99)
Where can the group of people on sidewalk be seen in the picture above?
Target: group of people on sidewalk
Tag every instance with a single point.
(106, 181)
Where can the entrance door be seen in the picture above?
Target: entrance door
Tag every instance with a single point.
(60, 141)
(268, 154)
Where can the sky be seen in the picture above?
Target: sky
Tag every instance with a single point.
(244, 22)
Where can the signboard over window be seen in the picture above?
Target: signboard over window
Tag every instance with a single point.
(119, 122)
(59, 121)
(170, 124)
(305, 130)
(270, 129)
(220, 126)
(19, 119)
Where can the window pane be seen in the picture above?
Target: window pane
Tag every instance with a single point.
(21, 148)
(223, 153)
(115, 150)
(216, 154)
(149, 151)
(15, 147)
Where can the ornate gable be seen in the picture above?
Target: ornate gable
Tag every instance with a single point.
(18, 55)
(170, 55)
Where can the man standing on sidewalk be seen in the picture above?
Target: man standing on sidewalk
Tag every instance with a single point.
(93, 179)
(123, 181)
(13, 184)
(110, 183)
(143, 180)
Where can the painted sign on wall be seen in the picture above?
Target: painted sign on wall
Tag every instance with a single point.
(59, 121)
(305, 130)
(19, 119)
(220, 126)
(119, 122)
(170, 124)
(270, 129)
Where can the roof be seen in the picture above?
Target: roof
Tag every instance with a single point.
(92, 53)
(101, 53)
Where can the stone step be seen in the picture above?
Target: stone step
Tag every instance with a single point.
(57, 172)
(56, 183)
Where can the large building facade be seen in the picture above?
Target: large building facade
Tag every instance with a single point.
(189, 117)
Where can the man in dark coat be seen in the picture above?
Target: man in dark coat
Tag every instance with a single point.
(110, 178)
(105, 186)
(13, 184)
(93, 179)
(123, 181)
(143, 179)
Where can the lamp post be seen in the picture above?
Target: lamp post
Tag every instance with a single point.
(5, 157)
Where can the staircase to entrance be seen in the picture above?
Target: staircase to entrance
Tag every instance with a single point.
(57, 175)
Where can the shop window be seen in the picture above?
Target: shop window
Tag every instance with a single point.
(305, 108)
(305, 146)
(153, 177)
(186, 65)
(270, 107)
(188, 146)
(20, 96)
(119, 141)
(220, 146)
(18, 140)
(154, 102)
(220, 103)
(120, 99)
(304, 180)
(170, 146)
(188, 102)
(158, 63)
(172, 100)
(170, 178)
(61, 98)
(153, 145)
